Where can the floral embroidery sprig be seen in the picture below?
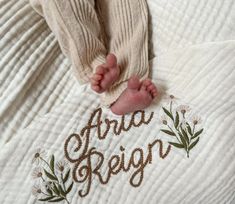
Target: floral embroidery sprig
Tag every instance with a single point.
(54, 179)
(178, 125)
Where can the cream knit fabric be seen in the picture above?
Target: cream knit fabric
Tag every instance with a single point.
(88, 30)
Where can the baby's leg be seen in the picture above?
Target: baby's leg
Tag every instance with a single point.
(78, 31)
(126, 26)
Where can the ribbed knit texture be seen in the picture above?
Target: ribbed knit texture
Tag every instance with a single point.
(88, 30)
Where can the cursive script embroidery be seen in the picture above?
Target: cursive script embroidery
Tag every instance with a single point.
(84, 168)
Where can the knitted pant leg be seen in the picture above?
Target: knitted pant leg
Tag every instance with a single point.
(126, 27)
(78, 31)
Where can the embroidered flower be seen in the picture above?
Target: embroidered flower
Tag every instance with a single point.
(61, 165)
(179, 125)
(196, 120)
(183, 109)
(37, 173)
(39, 153)
(36, 190)
(163, 120)
(171, 98)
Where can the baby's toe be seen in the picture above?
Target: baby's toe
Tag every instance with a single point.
(154, 91)
(97, 77)
(96, 88)
(154, 94)
(151, 87)
(111, 60)
(101, 70)
(94, 82)
(147, 82)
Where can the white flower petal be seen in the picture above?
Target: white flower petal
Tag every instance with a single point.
(185, 108)
(196, 119)
(36, 189)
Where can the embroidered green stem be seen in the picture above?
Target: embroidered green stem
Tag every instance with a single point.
(171, 107)
(62, 180)
(177, 137)
(45, 162)
(45, 193)
(66, 200)
(186, 148)
(192, 134)
(42, 179)
(193, 128)
(50, 169)
(173, 132)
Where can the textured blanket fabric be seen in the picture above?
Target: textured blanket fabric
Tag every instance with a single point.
(180, 150)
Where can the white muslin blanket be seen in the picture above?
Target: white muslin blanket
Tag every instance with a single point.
(58, 144)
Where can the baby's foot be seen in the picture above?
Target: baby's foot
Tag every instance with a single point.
(105, 75)
(137, 96)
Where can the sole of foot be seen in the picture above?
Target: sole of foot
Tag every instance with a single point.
(137, 96)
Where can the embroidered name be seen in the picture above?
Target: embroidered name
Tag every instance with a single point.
(84, 169)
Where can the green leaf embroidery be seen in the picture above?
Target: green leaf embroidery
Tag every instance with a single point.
(177, 120)
(61, 191)
(52, 163)
(185, 135)
(49, 191)
(168, 132)
(189, 129)
(69, 188)
(193, 144)
(46, 199)
(183, 140)
(50, 176)
(168, 113)
(176, 145)
(56, 200)
(55, 189)
(197, 133)
(66, 176)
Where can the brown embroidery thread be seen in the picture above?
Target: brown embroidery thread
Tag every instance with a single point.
(83, 172)
(108, 122)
